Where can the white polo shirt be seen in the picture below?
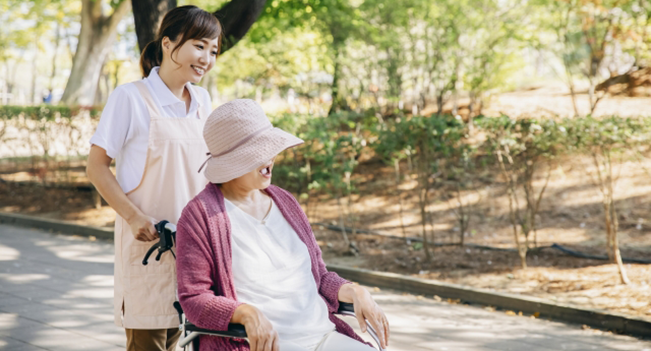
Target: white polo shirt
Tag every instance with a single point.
(123, 129)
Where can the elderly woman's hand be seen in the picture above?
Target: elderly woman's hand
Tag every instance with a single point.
(366, 310)
(259, 331)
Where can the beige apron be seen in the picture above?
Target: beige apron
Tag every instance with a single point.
(176, 148)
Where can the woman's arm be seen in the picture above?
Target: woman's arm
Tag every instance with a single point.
(100, 175)
(195, 269)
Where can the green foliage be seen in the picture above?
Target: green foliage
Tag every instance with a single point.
(333, 145)
(44, 112)
(329, 156)
(613, 133)
(433, 139)
(527, 138)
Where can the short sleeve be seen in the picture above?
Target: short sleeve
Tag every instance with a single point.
(115, 123)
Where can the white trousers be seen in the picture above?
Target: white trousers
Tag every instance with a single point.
(332, 341)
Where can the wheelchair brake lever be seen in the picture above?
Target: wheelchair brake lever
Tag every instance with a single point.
(149, 252)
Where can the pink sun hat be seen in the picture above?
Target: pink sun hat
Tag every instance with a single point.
(240, 139)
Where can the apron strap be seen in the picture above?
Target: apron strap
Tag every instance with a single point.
(149, 100)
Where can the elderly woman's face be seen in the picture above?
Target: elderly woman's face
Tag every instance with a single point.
(259, 178)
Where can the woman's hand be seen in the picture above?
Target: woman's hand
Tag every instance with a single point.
(142, 227)
(100, 175)
(366, 310)
(259, 331)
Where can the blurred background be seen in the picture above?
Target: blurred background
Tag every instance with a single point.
(499, 144)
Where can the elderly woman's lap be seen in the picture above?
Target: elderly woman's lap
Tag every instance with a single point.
(332, 342)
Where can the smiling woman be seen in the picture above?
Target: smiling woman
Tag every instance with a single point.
(153, 128)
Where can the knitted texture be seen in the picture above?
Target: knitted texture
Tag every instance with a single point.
(204, 265)
(240, 139)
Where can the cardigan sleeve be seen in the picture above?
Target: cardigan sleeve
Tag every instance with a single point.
(330, 282)
(196, 271)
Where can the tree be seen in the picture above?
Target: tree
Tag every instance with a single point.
(606, 142)
(590, 37)
(521, 147)
(147, 15)
(97, 33)
(237, 17)
(432, 143)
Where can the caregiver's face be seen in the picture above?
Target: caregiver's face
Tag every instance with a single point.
(259, 178)
(194, 58)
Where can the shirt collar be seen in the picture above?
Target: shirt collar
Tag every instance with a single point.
(164, 94)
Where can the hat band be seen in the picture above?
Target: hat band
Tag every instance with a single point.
(240, 143)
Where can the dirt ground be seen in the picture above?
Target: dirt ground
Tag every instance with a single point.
(570, 215)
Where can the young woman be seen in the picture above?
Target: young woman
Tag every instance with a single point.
(246, 252)
(153, 128)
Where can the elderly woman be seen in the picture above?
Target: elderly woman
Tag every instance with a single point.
(246, 252)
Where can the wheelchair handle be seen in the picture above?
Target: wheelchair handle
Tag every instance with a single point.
(167, 233)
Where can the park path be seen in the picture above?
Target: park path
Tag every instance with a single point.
(56, 294)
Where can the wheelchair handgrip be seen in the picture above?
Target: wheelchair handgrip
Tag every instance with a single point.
(345, 307)
(234, 330)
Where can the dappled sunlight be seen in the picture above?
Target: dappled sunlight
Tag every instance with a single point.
(23, 278)
(103, 217)
(98, 280)
(90, 293)
(566, 236)
(587, 287)
(8, 253)
(7, 322)
(81, 252)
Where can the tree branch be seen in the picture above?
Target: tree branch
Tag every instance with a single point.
(237, 17)
(118, 14)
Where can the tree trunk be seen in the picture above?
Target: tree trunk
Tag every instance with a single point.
(513, 208)
(337, 101)
(6, 87)
(462, 216)
(614, 223)
(95, 39)
(32, 90)
(236, 17)
(396, 165)
(57, 42)
(342, 222)
(147, 15)
(423, 197)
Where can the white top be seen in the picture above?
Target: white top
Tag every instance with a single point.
(273, 272)
(123, 129)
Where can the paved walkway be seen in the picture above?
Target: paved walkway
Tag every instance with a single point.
(56, 294)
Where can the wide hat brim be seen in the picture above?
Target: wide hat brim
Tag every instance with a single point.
(253, 154)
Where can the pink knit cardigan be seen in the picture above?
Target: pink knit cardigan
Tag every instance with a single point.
(204, 265)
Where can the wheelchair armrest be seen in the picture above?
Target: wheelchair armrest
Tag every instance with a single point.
(234, 330)
(345, 307)
(238, 330)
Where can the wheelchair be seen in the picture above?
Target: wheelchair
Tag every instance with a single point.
(189, 332)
